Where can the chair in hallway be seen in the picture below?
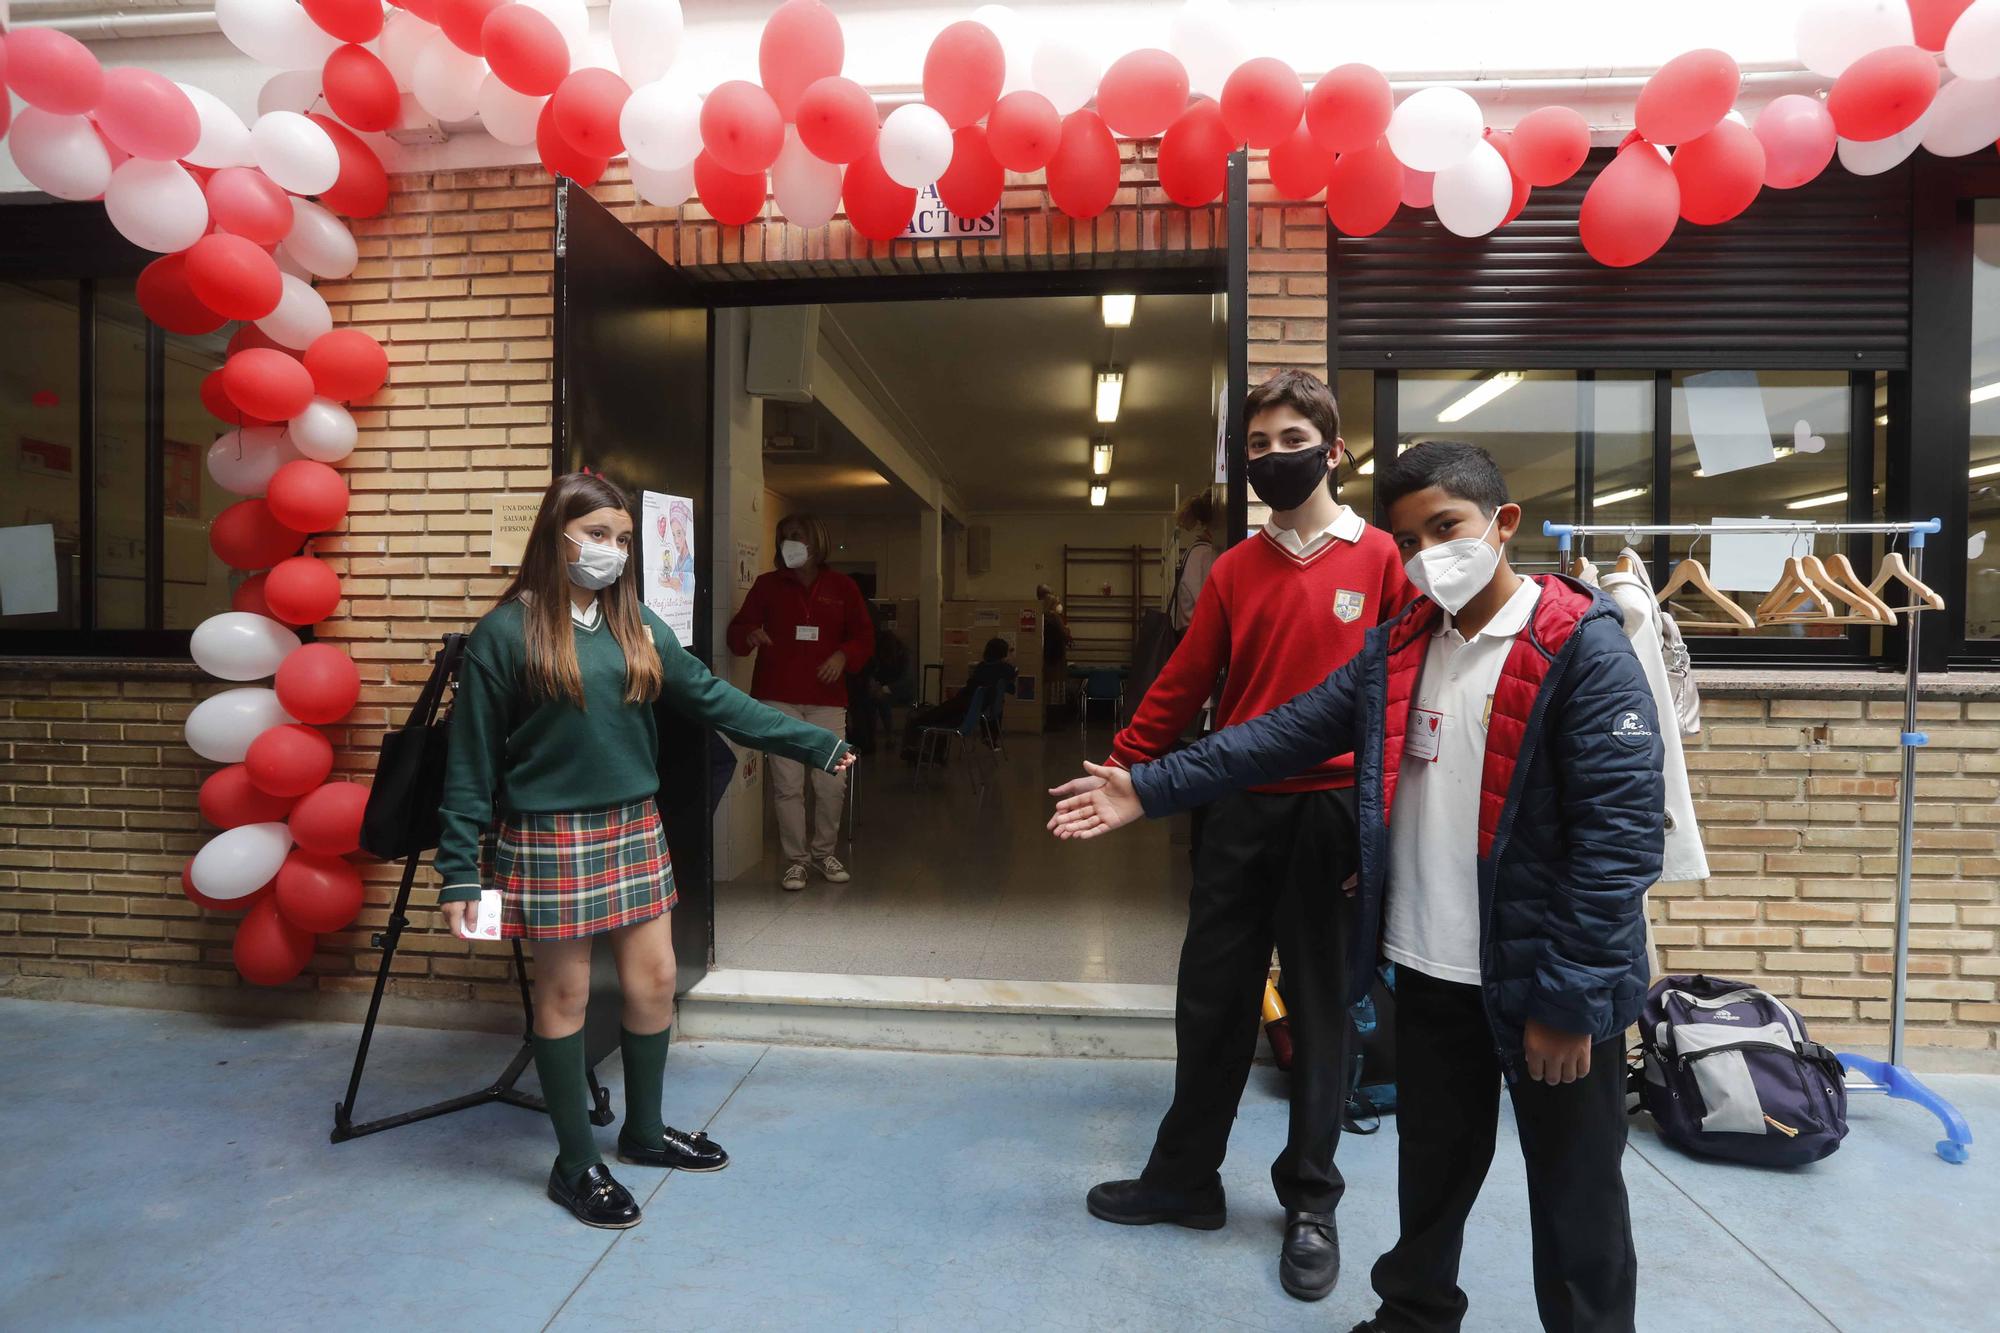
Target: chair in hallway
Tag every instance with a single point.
(936, 745)
(990, 724)
(1103, 686)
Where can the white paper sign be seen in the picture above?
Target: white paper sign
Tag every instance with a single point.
(934, 222)
(28, 570)
(666, 542)
(1753, 561)
(1725, 410)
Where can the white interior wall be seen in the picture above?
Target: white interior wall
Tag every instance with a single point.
(1028, 548)
(739, 509)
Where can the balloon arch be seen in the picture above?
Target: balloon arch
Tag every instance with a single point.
(244, 216)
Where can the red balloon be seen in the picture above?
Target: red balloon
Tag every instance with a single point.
(168, 300)
(320, 894)
(876, 206)
(801, 45)
(303, 590)
(1719, 173)
(423, 9)
(1932, 20)
(248, 336)
(1142, 93)
(245, 536)
(327, 820)
(233, 276)
(586, 109)
(1349, 108)
(741, 127)
(249, 596)
(1883, 93)
(463, 20)
(1503, 144)
(346, 365)
(836, 120)
(54, 71)
(1299, 166)
(349, 20)
(362, 189)
(1194, 155)
(1083, 174)
(560, 156)
(361, 90)
(247, 203)
(731, 197)
(1363, 189)
(318, 683)
(1419, 188)
(264, 382)
(970, 186)
(1023, 131)
(269, 950)
(289, 760)
(200, 899)
(1262, 102)
(146, 115)
(215, 397)
(230, 800)
(1549, 145)
(525, 49)
(963, 73)
(307, 495)
(1798, 138)
(1630, 209)
(1686, 97)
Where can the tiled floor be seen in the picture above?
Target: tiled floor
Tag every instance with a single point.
(172, 1171)
(946, 885)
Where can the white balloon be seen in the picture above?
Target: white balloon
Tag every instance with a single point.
(156, 205)
(294, 90)
(320, 242)
(1833, 34)
(1876, 156)
(275, 32)
(646, 36)
(301, 317)
(1972, 50)
(446, 80)
(60, 155)
(1964, 119)
(508, 116)
(324, 432)
(241, 645)
(1066, 73)
(915, 145)
(663, 189)
(222, 726)
(288, 264)
(572, 20)
(1017, 44)
(294, 152)
(243, 461)
(1471, 198)
(402, 41)
(225, 139)
(1206, 39)
(807, 189)
(661, 124)
(237, 862)
(1435, 128)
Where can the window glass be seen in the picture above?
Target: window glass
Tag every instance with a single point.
(40, 456)
(197, 584)
(1618, 406)
(1356, 391)
(118, 458)
(1982, 527)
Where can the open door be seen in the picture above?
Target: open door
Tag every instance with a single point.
(632, 389)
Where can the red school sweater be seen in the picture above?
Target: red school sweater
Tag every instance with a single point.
(1281, 623)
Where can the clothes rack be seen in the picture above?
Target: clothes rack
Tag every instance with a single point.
(1864, 1074)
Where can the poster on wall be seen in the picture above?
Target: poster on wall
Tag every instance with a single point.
(513, 520)
(666, 540)
(746, 565)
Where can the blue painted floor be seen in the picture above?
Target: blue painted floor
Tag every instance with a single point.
(171, 1171)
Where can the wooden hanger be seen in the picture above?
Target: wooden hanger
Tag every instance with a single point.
(1690, 576)
(1895, 571)
(1799, 598)
(1846, 585)
(1627, 562)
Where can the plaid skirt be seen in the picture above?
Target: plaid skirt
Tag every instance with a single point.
(572, 875)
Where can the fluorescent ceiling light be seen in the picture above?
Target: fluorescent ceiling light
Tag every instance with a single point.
(1481, 394)
(1616, 497)
(1984, 470)
(1098, 492)
(1881, 418)
(1100, 458)
(1110, 388)
(1818, 501)
(1982, 392)
(1367, 467)
(1118, 311)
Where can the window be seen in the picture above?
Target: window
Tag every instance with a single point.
(1982, 528)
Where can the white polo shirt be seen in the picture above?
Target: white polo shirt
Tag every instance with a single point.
(1433, 916)
(1345, 525)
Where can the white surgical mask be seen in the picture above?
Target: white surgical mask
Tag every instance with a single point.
(793, 554)
(596, 565)
(1452, 573)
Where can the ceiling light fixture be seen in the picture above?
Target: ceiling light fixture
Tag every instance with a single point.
(1818, 501)
(1617, 497)
(1480, 395)
(1099, 490)
(1983, 470)
(1983, 392)
(1100, 458)
(1110, 389)
(1118, 311)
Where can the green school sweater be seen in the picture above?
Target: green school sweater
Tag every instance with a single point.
(514, 754)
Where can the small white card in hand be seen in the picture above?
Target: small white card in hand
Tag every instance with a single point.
(483, 922)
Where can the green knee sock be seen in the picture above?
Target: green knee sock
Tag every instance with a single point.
(559, 1061)
(645, 1072)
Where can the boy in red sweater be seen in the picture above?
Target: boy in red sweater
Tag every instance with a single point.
(1279, 613)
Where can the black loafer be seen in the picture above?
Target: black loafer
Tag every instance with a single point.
(1136, 1203)
(1310, 1265)
(680, 1152)
(596, 1199)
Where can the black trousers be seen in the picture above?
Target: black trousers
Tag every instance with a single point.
(1572, 1137)
(1267, 869)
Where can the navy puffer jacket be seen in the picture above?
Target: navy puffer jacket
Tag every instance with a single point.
(1571, 819)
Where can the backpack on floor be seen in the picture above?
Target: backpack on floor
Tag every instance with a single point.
(1729, 1072)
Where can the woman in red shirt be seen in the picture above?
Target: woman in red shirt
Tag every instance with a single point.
(810, 630)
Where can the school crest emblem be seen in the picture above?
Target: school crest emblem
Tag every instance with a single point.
(1347, 605)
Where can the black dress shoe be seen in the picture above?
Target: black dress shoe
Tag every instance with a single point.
(595, 1198)
(680, 1152)
(1135, 1203)
(1310, 1264)
(1366, 1326)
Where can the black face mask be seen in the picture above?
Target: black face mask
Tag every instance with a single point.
(1286, 480)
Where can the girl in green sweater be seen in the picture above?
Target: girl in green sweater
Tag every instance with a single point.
(554, 751)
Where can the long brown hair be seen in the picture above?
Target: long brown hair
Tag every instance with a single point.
(542, 586)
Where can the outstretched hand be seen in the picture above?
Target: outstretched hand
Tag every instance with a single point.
(1095, 805)
(845, 762)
